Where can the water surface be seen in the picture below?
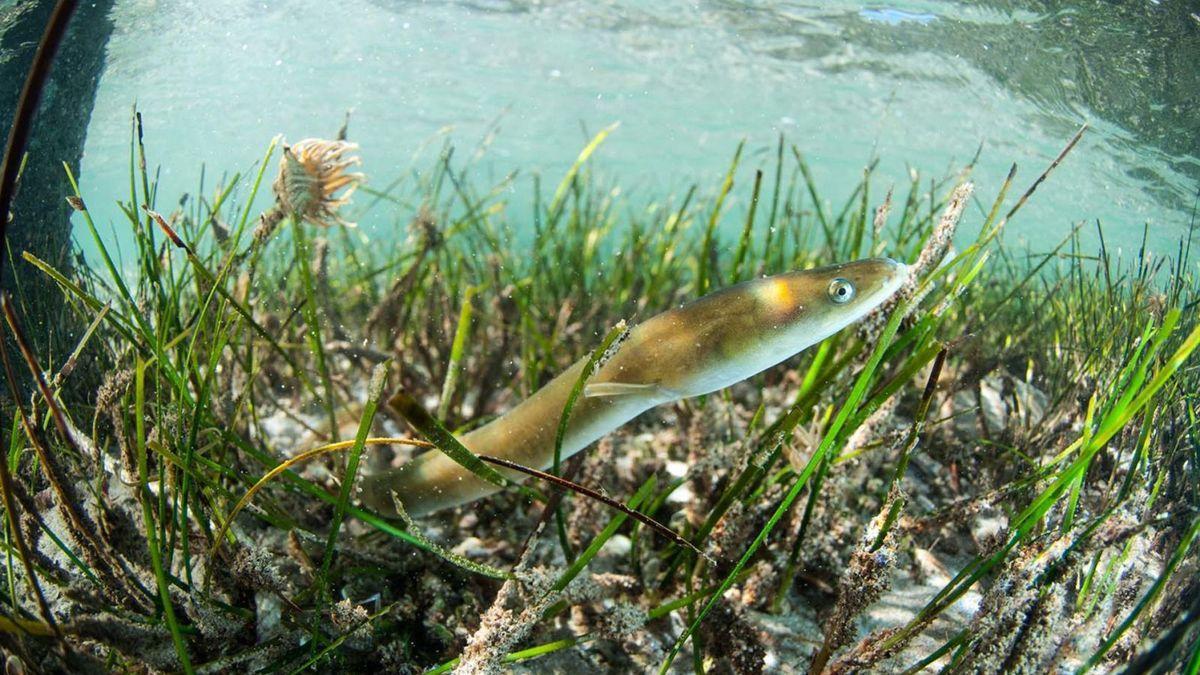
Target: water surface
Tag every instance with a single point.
(920, 85)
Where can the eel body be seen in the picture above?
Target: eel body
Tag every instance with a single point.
(700, 347)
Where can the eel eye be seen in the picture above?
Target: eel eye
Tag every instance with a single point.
(841, 291)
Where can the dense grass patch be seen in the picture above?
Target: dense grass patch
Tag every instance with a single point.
(1014, 440)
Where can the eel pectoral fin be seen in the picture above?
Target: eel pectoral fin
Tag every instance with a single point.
(600, 389)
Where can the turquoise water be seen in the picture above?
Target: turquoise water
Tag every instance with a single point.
(921, 85)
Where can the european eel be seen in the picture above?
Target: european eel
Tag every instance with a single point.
(697, 348)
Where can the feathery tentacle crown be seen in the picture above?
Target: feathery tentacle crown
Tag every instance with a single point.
(313, 182)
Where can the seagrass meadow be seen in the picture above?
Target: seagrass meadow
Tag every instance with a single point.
(997, 471)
